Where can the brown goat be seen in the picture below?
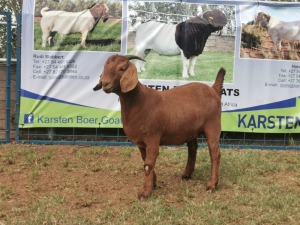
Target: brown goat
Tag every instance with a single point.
(177, 116)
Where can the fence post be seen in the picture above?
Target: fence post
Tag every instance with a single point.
(18, 75)
(7, 75)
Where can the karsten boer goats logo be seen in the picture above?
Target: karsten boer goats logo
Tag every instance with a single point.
(28, 118)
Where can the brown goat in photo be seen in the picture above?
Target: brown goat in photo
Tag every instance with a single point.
(173, 117)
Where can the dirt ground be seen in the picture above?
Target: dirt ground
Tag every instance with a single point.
(65, 173)
(90, 179)
(87, 181)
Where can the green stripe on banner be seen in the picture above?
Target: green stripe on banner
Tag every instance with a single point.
(283, 120)
(36, 113)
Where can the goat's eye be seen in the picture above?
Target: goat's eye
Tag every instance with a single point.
(123, 68)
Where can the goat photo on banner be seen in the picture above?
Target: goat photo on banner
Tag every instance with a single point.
(190, 39)
(78, 25)
(269, 33)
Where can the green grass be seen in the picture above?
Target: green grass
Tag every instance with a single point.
(105, 37)
(170, 67)
(98, 185)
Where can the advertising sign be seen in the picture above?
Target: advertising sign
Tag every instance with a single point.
(65, 45)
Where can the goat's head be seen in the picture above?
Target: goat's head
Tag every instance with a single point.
(262, 19)
(119, 75)
(100, 10)
(216, 18)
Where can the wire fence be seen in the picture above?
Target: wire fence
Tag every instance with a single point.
(110, 136)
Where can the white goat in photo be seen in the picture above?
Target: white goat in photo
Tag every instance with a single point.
(64, 22)
(278, 29)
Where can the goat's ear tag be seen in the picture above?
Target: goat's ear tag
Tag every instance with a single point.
(129, 79)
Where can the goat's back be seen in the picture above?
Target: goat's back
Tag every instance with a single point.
(157, 36)
(66, 22)
(192, 97)
(185, 112)
(284, 30)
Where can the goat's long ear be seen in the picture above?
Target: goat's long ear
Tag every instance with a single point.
(215, 18)
(129, 79)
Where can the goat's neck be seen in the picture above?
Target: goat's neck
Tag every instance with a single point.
(133, 98)
(137, 102)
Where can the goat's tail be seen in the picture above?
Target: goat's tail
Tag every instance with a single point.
(43, 10)
(219, 81)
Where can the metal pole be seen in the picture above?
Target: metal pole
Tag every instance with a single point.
(18, 76)
(8, 75)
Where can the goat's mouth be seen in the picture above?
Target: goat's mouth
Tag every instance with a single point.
(107, 89)
(105, 19)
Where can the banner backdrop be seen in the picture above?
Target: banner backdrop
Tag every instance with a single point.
(60, 68)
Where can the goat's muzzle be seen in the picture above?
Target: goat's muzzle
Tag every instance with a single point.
(98, 86)
(106, 87)
(105, 19)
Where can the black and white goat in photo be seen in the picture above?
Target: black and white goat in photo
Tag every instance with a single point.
(64, 22)
(187, 38)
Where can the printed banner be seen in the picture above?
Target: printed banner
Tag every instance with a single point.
(65, 45)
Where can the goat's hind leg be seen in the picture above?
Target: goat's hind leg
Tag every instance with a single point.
(51, 39)
(140, 65)
(213, 139)
(191, 160)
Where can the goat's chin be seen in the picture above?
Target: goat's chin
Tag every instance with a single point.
(107, 90)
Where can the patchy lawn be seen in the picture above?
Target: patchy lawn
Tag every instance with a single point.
(98, 185)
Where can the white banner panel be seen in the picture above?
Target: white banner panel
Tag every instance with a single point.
(66, 43)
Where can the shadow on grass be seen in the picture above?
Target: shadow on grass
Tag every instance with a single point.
(109, 41)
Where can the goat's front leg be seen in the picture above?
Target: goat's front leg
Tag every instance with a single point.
(192, 65)
(143, 154)
(83, 38)
(190, 165)
(185, 65)
(279, 44)
(275, 39)
(140, 65)
(149, 164)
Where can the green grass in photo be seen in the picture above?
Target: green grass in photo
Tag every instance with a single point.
(105, 37)
(170, 67)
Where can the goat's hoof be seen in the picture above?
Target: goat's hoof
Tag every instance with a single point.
(185, 75)
(142, 197)
(154, 186)
(211, 187)
(144, 194)
(209, 191)
(186, 177)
